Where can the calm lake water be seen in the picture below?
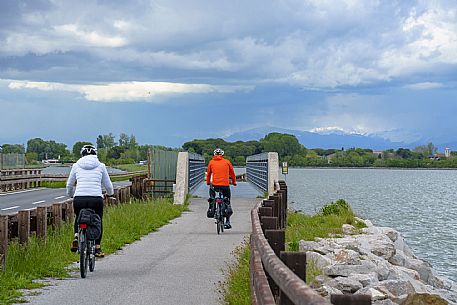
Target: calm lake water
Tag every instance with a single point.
(421, 204)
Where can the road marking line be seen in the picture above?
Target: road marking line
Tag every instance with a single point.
(29, 209)
(59, 197)
(37, 202)
(10, 208)
(19, 192)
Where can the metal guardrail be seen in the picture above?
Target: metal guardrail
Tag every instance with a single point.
(10, 161)
(257, 171)
(196, 170)
(270, 261)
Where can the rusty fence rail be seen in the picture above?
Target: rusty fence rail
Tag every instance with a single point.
(26, 223)
(277, 276)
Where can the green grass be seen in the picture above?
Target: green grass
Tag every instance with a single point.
(328, 221)
(131, 167)
(235, 290)
(54, 184)
(123, 224)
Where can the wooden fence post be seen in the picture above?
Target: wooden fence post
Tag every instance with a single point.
(23, 219)
(56, 215)
(70, 211)
(3, 240)
(269, 223)
(276, 239)
(41, 222)
(350, 299)
(265, 211)
(295, 261)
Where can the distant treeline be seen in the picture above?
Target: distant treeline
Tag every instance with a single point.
(290, 150)
(126, 150)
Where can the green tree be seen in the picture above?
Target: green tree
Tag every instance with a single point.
(47, 149)
(283, 144)
(12, 149)
(426, 150)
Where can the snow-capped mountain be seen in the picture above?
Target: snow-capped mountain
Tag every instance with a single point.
(322, 138)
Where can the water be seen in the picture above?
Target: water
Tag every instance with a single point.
(421, 204)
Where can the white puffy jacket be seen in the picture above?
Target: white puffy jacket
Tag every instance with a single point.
(89, 174)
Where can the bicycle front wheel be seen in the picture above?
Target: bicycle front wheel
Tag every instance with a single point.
(83, 254)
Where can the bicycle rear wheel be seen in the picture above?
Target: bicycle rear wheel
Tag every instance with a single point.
(83, 255)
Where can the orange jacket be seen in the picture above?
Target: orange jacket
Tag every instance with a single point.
(220, 169)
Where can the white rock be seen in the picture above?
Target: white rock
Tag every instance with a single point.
(399, 272)
(345, 284)
(318, 260)
(376, 295)
(349, 229)
(369, 279)
(395, 288)
(327, 291)
(346, 270)
(347, 256)
(399, 258)
(368, 223)
(423, 268)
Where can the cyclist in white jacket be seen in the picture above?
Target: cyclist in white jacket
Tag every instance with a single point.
(89, 175)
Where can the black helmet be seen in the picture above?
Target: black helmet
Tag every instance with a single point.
(88, 150)
(219, 152)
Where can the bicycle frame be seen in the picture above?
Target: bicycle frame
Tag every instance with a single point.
(219, 214)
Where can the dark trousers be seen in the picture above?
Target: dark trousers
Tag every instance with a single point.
(225, 190)
(91, 202)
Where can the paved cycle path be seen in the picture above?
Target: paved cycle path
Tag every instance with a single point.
(179, 264)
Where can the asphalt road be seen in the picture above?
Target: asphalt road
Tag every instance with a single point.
(12, 202)
(181, 263)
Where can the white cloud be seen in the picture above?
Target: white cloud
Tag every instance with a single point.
(312, 44)
(424, 86)
(90, 37)
(128, 91)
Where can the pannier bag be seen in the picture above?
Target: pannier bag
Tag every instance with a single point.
(93, 221)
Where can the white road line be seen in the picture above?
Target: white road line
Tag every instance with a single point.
(29, 209)
(37, 202)
(60, 197)
(19, 192)
(10, 208)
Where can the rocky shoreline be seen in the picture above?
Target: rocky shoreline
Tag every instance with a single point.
(376, 261)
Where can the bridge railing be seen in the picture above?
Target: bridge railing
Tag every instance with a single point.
(190, 172)
(277, 276)
(262, 171)
(197, 168)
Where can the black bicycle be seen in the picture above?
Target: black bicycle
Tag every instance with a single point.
(219, 213)
(86, 249)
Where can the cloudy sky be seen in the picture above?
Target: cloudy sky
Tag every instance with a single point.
(171, 71)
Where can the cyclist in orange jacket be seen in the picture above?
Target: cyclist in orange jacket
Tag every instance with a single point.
(220, 171)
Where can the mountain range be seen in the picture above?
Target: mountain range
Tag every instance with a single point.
(333, 139)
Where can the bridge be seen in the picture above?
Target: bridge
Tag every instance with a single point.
(183, 261)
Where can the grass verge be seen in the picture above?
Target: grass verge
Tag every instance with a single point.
(235, 290)
(131, 167)
(122, 224)
(327, 222)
